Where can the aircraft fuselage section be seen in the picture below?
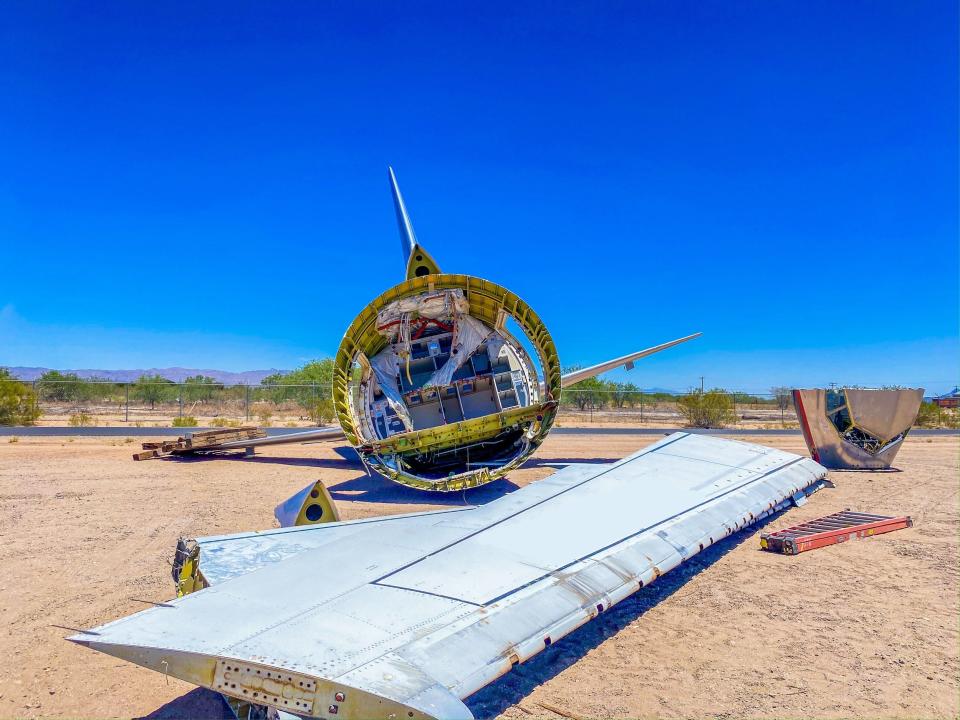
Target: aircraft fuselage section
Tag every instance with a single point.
(436, 392)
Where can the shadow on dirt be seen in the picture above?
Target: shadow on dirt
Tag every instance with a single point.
(377, 489)
(348, 458)
(200, 703)
(560, 462)
(516, 685)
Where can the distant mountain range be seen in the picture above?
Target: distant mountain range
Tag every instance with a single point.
(177, 374)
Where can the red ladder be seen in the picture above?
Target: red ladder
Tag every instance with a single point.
(830, 530)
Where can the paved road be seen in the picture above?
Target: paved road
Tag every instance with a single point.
(43, 431)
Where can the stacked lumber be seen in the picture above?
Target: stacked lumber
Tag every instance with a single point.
(198, 441)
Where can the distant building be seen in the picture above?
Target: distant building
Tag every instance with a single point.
(948, 400)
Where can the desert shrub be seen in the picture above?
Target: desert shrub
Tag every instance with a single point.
(264, 411)
(18, 402)
(224, 422)
(322, 412)
(710, 409)
(81, 419)
(931, 415)
(14, 439)
(185, 421)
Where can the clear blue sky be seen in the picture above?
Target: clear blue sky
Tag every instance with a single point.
(204, 184)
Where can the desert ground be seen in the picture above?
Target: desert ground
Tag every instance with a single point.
(864, 629)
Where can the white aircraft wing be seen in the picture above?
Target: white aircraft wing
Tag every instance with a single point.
(626, 361)
(406, 617)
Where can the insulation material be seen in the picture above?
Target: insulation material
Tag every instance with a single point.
(494, 346)
(468, 334)
(443, 306)
(384, 366)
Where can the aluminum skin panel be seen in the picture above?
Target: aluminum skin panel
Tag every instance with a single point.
(383, 612)
(884, 413)
(225, 556)
(522, 548)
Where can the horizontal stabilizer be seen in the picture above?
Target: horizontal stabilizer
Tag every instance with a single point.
(576, 376)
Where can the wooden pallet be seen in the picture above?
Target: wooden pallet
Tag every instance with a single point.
(203, 440)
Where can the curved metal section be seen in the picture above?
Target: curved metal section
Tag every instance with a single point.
(856, 428)
(576, 376)
(490, 303)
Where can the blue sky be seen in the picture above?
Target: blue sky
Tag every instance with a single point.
(204, 184)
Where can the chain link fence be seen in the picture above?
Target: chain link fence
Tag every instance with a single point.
(164, 404)
(186, 404)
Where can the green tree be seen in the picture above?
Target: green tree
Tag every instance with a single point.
(200, 388)
(18, 402)
(623, 394)
(304, 385)
(153, 389)
(55, 386)
(310, 386)
(710, 409)
(589, 393)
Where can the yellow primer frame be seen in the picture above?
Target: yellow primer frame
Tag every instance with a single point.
(490, 303)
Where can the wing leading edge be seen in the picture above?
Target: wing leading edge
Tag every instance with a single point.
(420, 613)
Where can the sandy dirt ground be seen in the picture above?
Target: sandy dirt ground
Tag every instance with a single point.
(865, 629)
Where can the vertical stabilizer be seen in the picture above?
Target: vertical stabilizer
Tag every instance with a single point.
(408, 239)
(416, 260)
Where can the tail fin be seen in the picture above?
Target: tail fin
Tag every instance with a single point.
(416, 260)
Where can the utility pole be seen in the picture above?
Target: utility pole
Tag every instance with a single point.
(701, 384)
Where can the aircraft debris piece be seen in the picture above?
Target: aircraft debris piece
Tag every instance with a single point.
(404, 617)
(830, 530)
(199, 441)
(310, 506)
(848, 428)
